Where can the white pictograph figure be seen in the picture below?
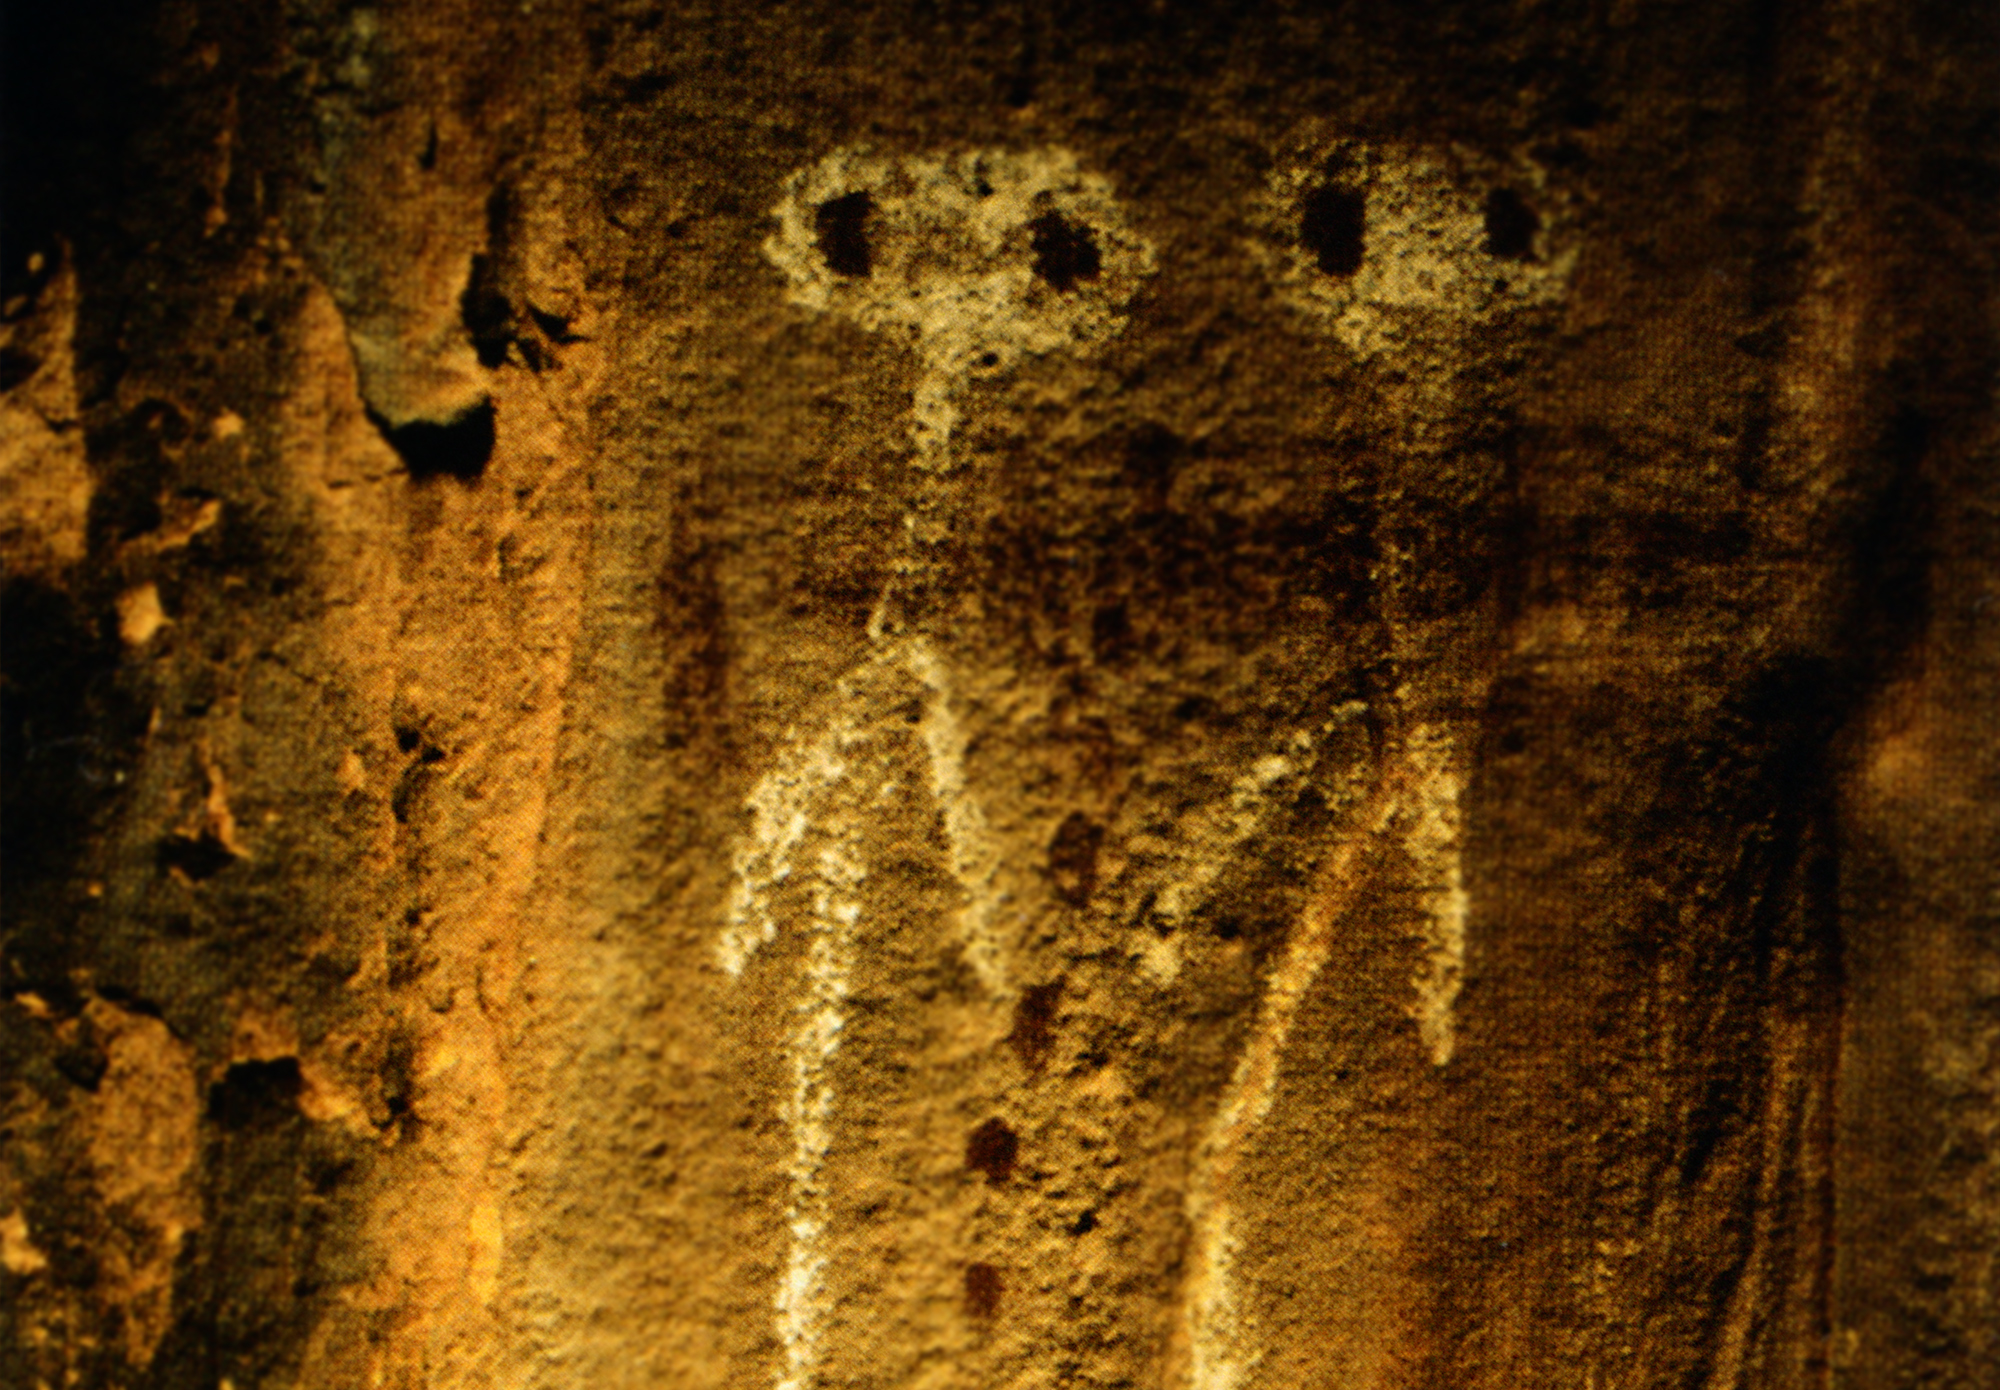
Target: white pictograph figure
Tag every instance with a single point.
(1398, 255)
(979, 261)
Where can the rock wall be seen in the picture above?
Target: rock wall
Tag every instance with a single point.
(952, 695)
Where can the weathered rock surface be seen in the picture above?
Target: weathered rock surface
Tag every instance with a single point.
(948, 695)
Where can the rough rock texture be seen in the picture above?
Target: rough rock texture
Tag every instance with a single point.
(948, 695)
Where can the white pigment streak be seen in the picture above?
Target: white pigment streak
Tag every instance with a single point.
(780, 808)
(975, 856)
(802, 1297)
(1435, 842)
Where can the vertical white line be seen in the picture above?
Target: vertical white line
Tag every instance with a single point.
(975, 859)
(822, 1018)
(1436, 846)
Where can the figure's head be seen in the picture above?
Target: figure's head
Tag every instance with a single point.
(980, 259)
(1399, 249)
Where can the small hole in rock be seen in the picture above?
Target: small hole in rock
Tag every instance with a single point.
(992, 1149)
(842, 224)
(1110, 632)
(1334, 227)
(1065, 252)
(1510, 226)
(199, 857)
(255, 1092)
(984, 1286)
(1084, 1224)
(457, 448)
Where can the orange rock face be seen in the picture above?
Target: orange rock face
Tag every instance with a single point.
(833, 696)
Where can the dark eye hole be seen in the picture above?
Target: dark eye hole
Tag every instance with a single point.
(1510, 226)
(1333, 224)
(842, 224)
(1065, 252)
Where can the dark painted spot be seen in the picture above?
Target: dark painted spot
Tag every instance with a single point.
(399, 1075)
(457, 448)
(842, 224)
(1073, 858)
(1034, 1023)
(992, 1149)
(255, 1093)
(1333, 225)
(1510, 226)
(199, 857)
(984, 1286)
(1065, 252)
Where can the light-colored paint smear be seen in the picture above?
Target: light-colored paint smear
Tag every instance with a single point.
(814, 1043)
(1435, 845)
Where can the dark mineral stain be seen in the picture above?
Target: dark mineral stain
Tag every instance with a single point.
(984, 1285)
(992, 1149)
(1034, 1023)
